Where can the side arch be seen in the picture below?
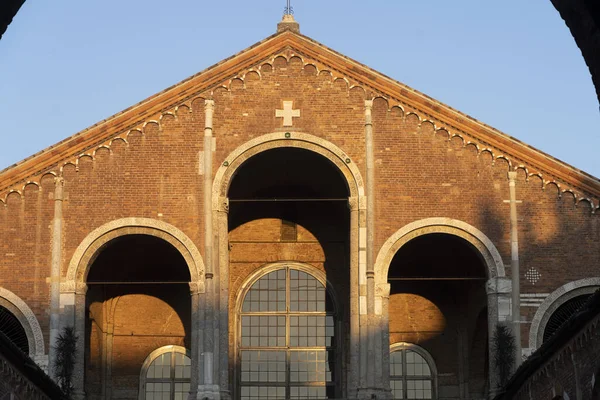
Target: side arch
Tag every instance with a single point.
(235, 159)
(90, 247)
(27, 319)
(554, 300)
(493, 260)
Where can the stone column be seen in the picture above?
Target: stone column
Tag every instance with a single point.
(222, 250)
(196, 340)
(57, 233)
(382, 297)
(371, 335)
(514, 268)
(209, 389)
(79, 372)
(463, 360)
(370, 161)
(353, 374)
(499, 293)
(107, 360)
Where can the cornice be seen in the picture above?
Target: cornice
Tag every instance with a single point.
(391, 89)
(288, 44)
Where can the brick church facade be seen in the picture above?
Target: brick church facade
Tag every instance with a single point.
(291, 224)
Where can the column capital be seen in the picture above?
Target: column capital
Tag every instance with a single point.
(383, 290)
(196, 288)
(222, 205)
(353, 203)
(498, 285)
(73, 287)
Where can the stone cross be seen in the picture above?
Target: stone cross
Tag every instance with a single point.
(287, 113)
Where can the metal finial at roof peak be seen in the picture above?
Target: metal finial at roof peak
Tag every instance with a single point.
(288, 10)
(288, 22)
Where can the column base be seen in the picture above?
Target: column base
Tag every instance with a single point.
(373, 393)
(42, 362)
(78, 395)
(211, 392)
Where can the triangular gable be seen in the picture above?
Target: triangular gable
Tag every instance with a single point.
(583, 186)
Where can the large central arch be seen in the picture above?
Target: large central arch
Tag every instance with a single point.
(220, 205)
(300, 140)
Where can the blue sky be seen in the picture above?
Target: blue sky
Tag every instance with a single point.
(67, 64)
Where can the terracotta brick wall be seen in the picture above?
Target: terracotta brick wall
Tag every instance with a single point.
(419, 173)
(572, 369)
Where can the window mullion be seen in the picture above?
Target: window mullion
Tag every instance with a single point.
(172, 383)
(287, 334)
(404, 374)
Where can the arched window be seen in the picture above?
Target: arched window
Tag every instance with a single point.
(287, 338)
(166, 374)
(563, 313)
(412, 372)
(12, 328)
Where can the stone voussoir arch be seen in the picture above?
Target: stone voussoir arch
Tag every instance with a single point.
(27, 319)
(90, 247)
(493, 259)
(554, 300)
(333, 153)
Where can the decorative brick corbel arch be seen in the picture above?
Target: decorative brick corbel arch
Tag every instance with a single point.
(90, 247)
(491, 256)
(293, 139)
(554, 300)
(27, 319)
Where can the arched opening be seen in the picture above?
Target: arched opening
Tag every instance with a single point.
(541, 327)
(289, 204)
(13, 330)
(138, 299)
(563, 313)
(438, 301)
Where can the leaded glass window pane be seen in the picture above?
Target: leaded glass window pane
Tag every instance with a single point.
(262, 392)
(308, 392)
(306, 293)
(168, 377)
(263, 366)
(397, 389)
(410, 375)
(416, 365)
(310, 366)
(311, 330)
(418, 389)
(267, 294)
(263, 331)
(287, 338)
